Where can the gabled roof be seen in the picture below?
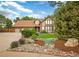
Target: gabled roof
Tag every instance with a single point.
(25, 23)
(46, 18)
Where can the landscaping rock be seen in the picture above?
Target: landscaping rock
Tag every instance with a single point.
(29, 40)
(46, 49)
(72, 42)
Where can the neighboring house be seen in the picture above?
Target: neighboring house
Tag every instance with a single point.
(46, 24)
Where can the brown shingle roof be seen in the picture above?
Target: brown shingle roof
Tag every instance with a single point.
(25, 23)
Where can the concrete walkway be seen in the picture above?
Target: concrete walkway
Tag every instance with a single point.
(22, 54)
(5, 41)
(7, 38)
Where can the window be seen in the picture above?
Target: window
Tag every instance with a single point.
(50, 29)
(46, 29)
(46, 21)
(37, 22)
(50, 22)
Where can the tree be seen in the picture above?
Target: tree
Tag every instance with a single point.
(2, 19)
(17, 18)
(8, 23)
(28, 18)
(66, 19)
(54, 3)
(24, 18)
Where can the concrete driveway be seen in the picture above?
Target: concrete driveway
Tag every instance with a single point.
(7, 38)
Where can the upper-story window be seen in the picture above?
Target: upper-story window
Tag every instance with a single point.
(50, 22)
(46, 22)
(37, 22)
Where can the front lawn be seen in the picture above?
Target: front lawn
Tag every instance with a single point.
(47, 35)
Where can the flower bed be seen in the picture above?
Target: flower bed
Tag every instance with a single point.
(46, 49)
(59, 44)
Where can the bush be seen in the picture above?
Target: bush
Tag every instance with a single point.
(28, 32)
(14, 44)
(37, 34)
(34, 36)
(22, 41)
(33, 31)
(43, 31)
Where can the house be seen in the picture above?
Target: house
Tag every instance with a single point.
(46, 24)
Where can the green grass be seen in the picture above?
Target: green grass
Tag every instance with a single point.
(47, 35)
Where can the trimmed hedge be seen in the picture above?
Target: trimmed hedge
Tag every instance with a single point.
(28, 32)
(43, 31)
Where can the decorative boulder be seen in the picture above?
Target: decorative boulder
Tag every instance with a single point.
(72, 42)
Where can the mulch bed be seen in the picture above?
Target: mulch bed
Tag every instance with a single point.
(60, 45)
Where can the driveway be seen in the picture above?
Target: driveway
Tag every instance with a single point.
(7, 38)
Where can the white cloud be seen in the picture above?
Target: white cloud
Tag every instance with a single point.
(12, 12)
(17, 6)
(8, 13)
(22, 1)
(2, 3)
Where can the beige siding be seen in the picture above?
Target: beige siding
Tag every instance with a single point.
(47, 25)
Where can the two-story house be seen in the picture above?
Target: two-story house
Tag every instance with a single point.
(46, 24)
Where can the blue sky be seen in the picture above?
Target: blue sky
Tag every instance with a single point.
(37, 9)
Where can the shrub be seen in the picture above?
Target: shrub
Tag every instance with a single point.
(14, 44)
(43, 31)
(22, 41)
(34, 36)
(33, 31)
(28, 32)
(37, 34)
